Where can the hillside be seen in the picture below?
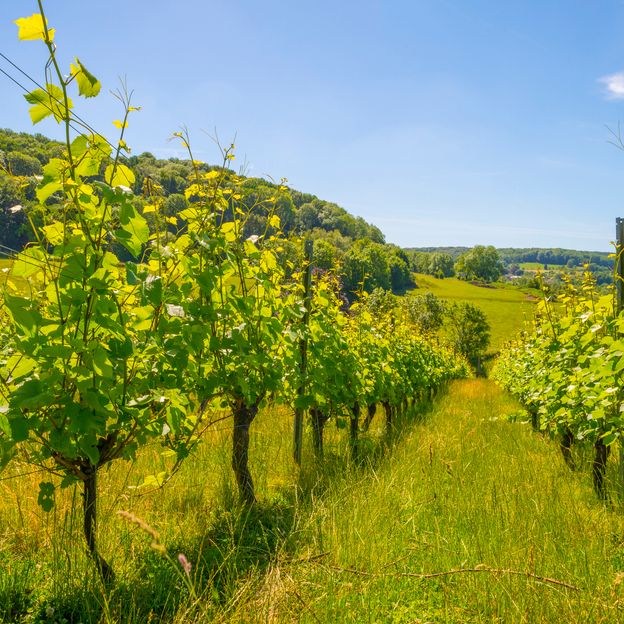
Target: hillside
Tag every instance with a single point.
(339, 237)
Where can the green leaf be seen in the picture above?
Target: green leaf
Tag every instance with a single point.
(46, 496)
(119, 176)
(88, 84)
(54, 233)
(44, 192)
(102, 364)
(20, 365)
(19, 428)
(134, 232)
(48, 102)
(91, 451)
(29, 262)
(23, 314)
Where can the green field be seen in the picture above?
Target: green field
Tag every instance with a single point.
(532, 266)
(508, 308)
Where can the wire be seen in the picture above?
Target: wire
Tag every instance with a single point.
(72, 115)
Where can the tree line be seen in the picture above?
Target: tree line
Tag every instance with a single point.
(341, 240)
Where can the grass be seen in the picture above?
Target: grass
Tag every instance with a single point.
(508, 308)
(463, 487)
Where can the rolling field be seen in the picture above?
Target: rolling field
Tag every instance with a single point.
(507, 308)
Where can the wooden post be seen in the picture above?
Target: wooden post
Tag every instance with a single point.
(619, 259)
(619, 305)
(303, 349)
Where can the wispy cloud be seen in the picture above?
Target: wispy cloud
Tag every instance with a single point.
(614, 85)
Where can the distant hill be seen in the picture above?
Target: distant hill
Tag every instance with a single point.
(543, 255)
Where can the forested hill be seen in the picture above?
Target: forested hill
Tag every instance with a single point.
(542, 255)
(340, 239)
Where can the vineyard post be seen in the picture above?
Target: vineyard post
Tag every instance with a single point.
(619, 258)
(303, 349)
(619, 289)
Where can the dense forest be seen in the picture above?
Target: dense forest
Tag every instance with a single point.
(358, 248)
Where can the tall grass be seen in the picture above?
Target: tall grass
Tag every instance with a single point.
(462, 488)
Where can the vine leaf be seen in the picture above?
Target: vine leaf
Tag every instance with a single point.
(88, 84)
(46, 102)
(32, 28)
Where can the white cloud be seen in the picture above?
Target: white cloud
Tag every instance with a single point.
(614, 85)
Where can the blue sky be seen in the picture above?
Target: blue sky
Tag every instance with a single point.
(444, 122)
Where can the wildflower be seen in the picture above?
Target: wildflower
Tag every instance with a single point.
(185, 563)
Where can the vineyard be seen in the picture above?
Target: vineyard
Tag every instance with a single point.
(201, 323)
(568, 374)
(208, 415)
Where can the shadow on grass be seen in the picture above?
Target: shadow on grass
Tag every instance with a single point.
(317, 476)
(239, 541)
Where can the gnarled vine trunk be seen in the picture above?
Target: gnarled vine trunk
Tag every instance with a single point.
(318, 419)
(90, 522)
(243, 417)
(535, 423)
(370, 413)
(567, 439)
(599, 468)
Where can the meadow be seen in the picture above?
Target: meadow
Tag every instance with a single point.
(507, 307)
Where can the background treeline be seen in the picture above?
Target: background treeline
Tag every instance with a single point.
(364, 260)
(518, 265)
(511, 255)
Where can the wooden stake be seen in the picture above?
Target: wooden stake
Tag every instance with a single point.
(303, 350)
(619, 303)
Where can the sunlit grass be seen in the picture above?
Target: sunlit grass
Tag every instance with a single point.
(463, 487)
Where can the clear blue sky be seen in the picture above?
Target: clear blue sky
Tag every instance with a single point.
(444, 122)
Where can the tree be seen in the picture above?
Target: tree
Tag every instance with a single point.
(441, 265)
(425, 311)
(469, 330)
(23, 165)
(480, 263)
(366, 264)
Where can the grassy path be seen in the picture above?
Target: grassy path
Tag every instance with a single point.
(465, 489)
